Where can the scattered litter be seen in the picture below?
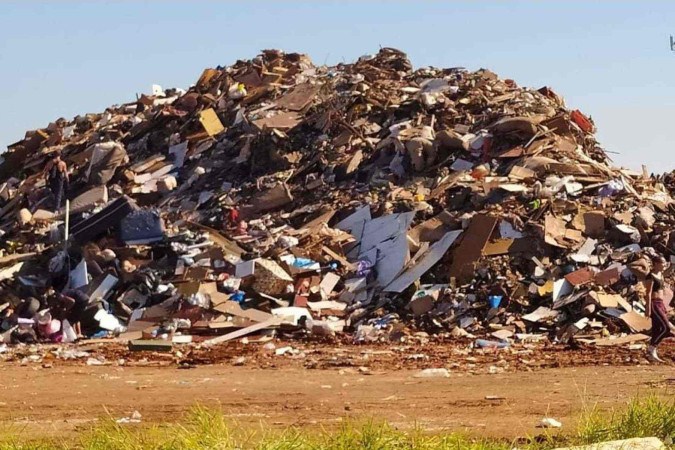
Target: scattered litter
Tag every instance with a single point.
(548, 422)
(433, 373)
(134, 418)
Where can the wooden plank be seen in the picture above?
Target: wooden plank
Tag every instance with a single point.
(234, 309)
(15, 257)
(301, 96)
(143, 165)
(232, 251)
(273, 322)
(629, 339)
(150, 345)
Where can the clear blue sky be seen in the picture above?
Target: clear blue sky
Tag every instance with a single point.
(612, 61)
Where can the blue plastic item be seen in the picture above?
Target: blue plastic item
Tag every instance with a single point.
(495, 300)
(303, 262)
(100, 334)
(238, 297)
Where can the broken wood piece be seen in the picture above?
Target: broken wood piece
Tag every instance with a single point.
(298, 98)
(234, 309)
(282, 121)
(270, 323)
(210, 121)
(273, 198)
(470, 249)
(150, 345)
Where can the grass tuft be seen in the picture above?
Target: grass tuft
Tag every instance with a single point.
(208, 429)
(642, 417)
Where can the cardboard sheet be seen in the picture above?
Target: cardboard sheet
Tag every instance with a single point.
(470, 249)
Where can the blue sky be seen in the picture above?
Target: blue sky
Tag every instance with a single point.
(612, 61)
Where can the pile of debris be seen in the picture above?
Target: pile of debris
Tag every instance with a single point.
(369, 198)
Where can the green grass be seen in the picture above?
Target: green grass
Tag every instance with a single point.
(649, 416)
(204, 428)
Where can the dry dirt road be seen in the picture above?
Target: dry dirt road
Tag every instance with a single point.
(37, 401)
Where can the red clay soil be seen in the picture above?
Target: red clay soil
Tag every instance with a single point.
(502, 394)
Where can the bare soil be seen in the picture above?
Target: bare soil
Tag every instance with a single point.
(501, 394)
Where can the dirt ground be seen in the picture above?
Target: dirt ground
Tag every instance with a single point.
(501, 394)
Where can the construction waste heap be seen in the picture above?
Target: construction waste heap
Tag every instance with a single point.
(368, 200)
